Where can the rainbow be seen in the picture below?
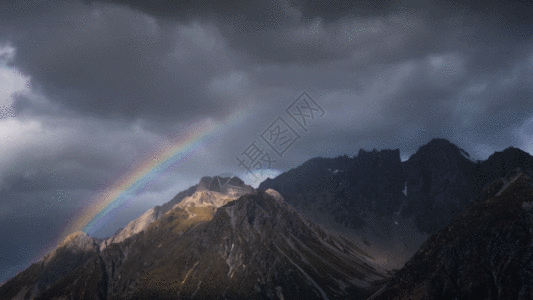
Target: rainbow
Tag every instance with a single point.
(124, 190)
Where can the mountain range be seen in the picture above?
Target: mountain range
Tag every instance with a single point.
(437, 226)
(388, 206)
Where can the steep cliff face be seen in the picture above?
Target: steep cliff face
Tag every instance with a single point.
(361, 197)
(345, 187)
(388, 207)
(486, 253)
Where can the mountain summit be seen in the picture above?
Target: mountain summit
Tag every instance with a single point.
(215, 190)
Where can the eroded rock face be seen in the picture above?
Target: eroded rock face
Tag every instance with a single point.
(361, 197)
(256, 247)
(486, 253)
(210, 191)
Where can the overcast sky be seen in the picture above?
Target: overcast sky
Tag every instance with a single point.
(91, 90)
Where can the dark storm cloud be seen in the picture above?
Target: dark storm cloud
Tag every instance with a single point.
(114, 61)
(110, 60)
(259, 27)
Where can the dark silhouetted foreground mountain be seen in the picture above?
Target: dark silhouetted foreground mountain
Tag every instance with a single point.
(209, 246)
(486, 253)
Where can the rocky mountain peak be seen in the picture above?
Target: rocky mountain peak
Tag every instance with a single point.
(211, 192)
(507, 160)
(253, 247)
(78, 239)
(274, 194)
(384, 155)
(440, 152)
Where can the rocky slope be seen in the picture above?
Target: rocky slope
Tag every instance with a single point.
(256, 247)
(77, 252)
(208, 246)
(486, 253)
(229, 186)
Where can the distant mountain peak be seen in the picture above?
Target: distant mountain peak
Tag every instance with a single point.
(211, 192)
(509, 152)
(440, 143)
(440, 151)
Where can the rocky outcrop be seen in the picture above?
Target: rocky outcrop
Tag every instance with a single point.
(486, 253)
(231, 186)
(221, 188)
